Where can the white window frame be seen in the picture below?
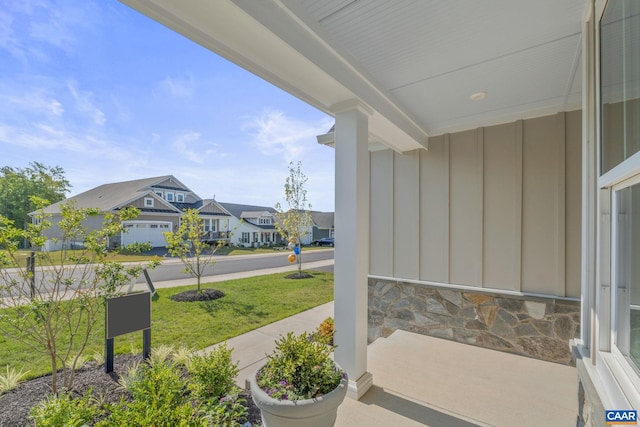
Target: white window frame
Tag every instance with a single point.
(618, 378)
(180, 197)
(169, 196)
(264, 220)
(149, 202)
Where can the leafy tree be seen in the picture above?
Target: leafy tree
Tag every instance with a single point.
(54, 307)
(187, 243)
(17, 185)
(294, 222)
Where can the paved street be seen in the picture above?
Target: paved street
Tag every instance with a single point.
(171, 269)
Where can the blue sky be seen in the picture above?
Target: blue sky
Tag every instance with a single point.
(110, 95)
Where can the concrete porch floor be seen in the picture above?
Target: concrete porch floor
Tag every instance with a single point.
(420, 380)
(426, 381)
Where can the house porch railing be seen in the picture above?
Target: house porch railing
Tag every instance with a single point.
(215, 236)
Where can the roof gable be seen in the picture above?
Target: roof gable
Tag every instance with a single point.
(236, 209)
(109, 197)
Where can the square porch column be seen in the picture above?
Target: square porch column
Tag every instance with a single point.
(351, 265)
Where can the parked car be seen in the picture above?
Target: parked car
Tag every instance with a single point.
(325, 241)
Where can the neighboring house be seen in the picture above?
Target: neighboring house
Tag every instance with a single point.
(252, 226)
(161, 201)
(322, 225)
(487, 169)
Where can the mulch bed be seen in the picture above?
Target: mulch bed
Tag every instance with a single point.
(193, 295)
(15, 404)
(295, 275)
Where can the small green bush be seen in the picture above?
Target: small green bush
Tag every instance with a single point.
(11, 379)
(213, 375)
(228, 412)
(63, 410)
(300, 367)
(159, 400)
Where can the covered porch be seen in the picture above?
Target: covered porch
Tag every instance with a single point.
(462, 168)
(426, 381)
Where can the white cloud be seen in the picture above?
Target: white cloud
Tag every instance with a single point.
(45, 139)
(178, 87)
(27, 27)
(8, 39)
(36, 100)
(275, 134)
(84, 103)
(190, 146)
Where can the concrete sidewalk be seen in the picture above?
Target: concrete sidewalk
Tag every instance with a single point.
(250, 349)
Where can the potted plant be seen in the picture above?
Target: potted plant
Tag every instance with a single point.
(299, 385)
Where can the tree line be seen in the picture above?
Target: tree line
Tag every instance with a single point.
(18, 185)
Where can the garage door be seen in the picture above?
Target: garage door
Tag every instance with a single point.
(145, 232)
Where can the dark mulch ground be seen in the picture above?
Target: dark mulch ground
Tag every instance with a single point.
(295, 275)
(193, 295)
(15, 405)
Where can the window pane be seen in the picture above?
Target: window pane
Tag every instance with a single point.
(627, 336)
(620, 82)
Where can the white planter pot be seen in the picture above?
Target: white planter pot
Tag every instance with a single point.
(317, 412)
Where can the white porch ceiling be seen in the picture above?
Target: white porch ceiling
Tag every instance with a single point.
(414, 62)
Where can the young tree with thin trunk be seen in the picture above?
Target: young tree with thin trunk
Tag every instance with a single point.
(187, 243)
(293, 223)
(54, 306)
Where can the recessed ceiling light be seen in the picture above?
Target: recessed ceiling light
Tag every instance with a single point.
(478, 96)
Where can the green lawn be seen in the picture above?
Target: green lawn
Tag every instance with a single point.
(247, 304)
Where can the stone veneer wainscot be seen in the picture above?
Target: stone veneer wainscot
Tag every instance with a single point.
(531, 326)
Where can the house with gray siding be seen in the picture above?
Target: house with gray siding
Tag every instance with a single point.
(160, 200)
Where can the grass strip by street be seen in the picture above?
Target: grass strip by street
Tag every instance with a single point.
(248, 304)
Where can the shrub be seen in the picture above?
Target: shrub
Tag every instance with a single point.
(213, 375)
(228, 412)
(11, 379)
(63, 410)
(129, 376)
(160, 354)
(326, 329)
(159, 400)
(183, 355)
(300, 367)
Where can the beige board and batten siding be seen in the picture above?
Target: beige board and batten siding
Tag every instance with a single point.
(382, 240)
(495, 208)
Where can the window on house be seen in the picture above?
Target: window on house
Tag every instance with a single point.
(148, 202)
(264, 221)
(245, 237)
(160, 194)
(627, 274)
(620, 185)
(180, 197)
(169, 197)
(620, 68)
